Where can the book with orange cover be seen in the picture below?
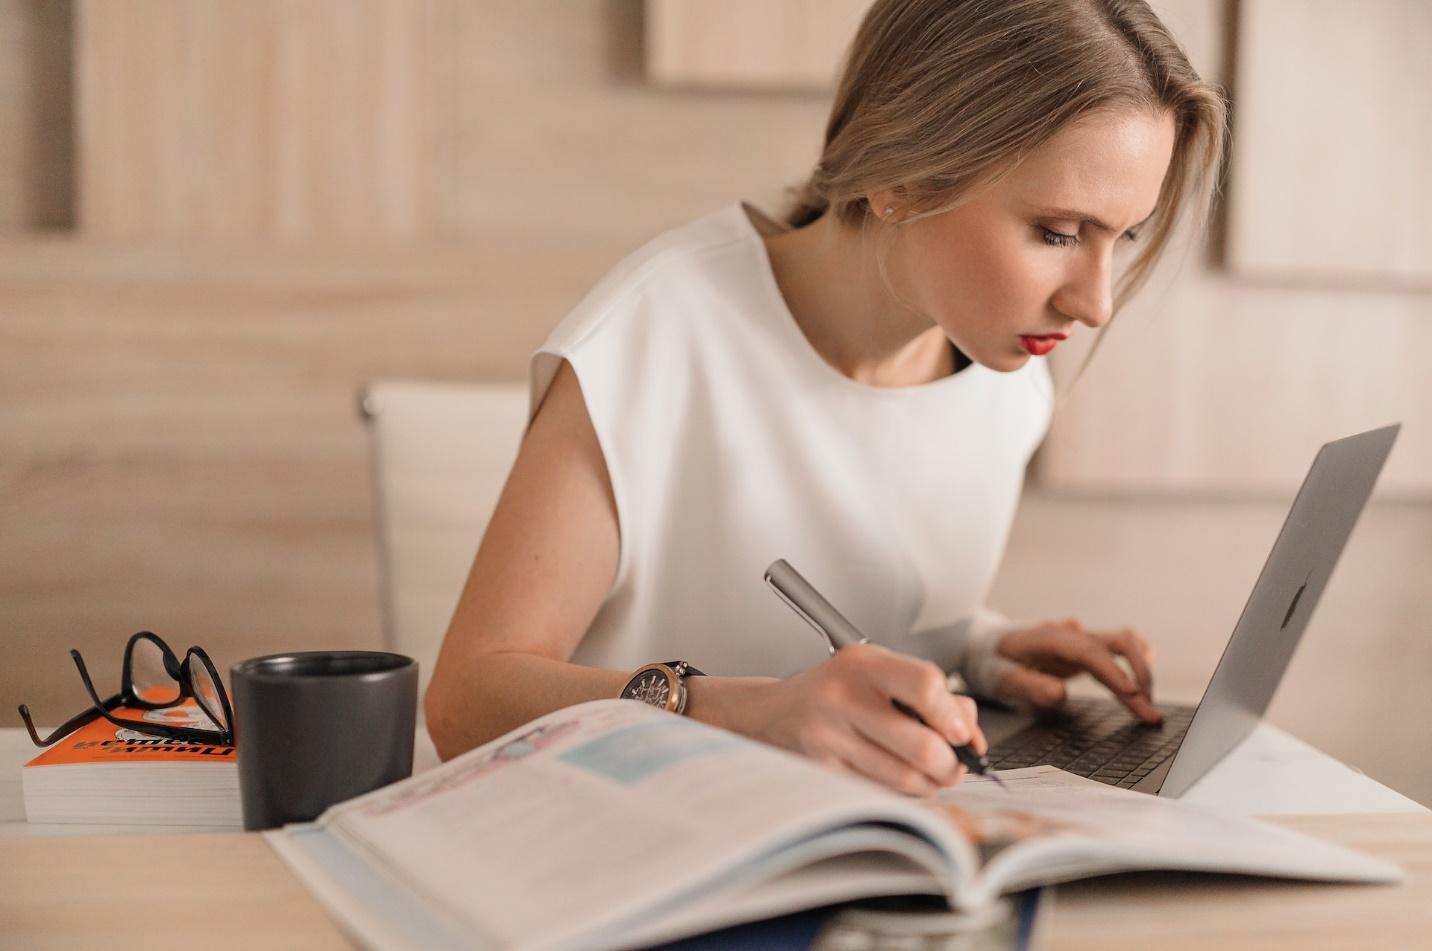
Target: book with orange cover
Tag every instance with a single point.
(107, 774)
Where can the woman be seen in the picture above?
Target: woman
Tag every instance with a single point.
(857, 389)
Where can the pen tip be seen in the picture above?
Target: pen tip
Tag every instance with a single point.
(995, 776)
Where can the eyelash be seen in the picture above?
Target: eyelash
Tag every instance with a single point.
(1059, 239)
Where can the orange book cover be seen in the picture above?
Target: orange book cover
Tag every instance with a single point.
(103, 742)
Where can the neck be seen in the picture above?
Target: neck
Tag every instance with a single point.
(831, 282)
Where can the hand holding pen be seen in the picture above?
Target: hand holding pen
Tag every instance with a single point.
(839, 634)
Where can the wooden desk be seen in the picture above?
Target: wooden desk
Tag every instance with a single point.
(1169, 910)
(229, 890)
(233, 892)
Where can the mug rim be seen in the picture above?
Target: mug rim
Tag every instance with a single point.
(262, 668)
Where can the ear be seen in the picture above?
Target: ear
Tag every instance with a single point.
(887, 204)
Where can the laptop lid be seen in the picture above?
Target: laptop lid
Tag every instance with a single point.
(1317, 528)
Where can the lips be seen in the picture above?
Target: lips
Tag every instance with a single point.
(1041, 345)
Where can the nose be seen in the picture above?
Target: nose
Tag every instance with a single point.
(1086, 293)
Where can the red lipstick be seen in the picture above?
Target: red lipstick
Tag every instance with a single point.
(1039, 346)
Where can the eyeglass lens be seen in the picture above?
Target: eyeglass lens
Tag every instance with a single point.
(152, 681)
(205, 691)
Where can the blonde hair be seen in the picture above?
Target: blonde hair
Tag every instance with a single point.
(940, 97)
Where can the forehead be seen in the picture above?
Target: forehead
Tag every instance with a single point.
(1107, 164)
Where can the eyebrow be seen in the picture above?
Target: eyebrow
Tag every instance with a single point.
(1069, 214)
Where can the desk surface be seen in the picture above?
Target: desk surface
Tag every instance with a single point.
(63, 893)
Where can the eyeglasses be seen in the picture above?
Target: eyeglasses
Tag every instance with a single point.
(154, 679)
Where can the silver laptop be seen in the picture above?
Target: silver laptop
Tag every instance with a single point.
(1099, 739)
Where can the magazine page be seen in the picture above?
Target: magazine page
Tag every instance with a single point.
(845, 865)
(609, 808)
(1051, 826)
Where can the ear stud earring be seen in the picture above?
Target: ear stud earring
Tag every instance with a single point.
(889, 210)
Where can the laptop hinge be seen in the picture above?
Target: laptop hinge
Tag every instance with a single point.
(1154, 781)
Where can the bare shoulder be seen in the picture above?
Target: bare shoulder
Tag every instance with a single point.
(563, 408)
(561, 442)
(549, 555)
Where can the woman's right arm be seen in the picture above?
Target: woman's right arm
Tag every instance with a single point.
(544, 567)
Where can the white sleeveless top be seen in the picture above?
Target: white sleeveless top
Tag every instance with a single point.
(731, 443)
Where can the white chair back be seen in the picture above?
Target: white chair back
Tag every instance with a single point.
(440, 453)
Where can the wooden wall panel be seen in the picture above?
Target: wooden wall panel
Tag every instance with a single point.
(180, 447)
(1216, 383)
(1206, 388)
(261, 120)
(554, 133)
(178, 441)
(36, 133)
(1333, 142)
(733, 44)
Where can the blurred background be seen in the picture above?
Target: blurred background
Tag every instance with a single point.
(219, 220)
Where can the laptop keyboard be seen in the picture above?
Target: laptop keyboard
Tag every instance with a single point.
(1095, 738)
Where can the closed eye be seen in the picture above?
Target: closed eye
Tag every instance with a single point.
(1059, 239)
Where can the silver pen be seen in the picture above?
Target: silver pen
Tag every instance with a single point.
(837, 632)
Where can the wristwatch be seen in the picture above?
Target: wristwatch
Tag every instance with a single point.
(661, 685)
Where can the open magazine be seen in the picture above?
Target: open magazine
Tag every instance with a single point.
(614, 824)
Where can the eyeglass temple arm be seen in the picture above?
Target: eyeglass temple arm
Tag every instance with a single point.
(69, 726)
(30, 725)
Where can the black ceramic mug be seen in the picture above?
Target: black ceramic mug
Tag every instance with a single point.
(317, 727)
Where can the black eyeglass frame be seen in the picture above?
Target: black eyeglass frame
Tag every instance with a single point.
(129, 697)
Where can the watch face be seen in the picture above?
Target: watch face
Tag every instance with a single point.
(651, 687)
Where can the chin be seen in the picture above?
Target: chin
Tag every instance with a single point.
(1004, 362)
